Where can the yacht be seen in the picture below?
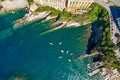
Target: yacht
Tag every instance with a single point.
(60, 57)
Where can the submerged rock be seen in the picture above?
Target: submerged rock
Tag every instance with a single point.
(19, 78)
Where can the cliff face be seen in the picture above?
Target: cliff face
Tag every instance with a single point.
(14, 4)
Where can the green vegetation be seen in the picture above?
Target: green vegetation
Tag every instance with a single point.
(30, 1)
(2, 0)
(97, 13)
(65, 15)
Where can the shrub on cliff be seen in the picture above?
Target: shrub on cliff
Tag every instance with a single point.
(97, 13)
(30, 1)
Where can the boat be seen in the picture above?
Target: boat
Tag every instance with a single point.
(69, 60)
(51, 43)
(62, 51)
(60, 57)
(60, 43)
(88, 65)
(67, 52)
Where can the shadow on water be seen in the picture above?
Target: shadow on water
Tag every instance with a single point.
(26, 53)
(92, 40)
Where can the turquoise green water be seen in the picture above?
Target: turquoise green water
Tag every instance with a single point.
(51, 56)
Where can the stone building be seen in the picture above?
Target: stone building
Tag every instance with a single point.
(57, 4)
(76, 5)
(69, 5)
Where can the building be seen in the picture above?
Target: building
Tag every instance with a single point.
(69, 5)
(33, 7)
(57, 4)
(76, 5)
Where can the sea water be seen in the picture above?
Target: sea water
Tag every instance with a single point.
(50, 56)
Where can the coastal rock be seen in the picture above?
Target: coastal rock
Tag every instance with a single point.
(17, 78)
(14, 4)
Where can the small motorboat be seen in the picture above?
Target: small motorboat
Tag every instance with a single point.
(60, 43)
(69, 60)
(88, 65)
(60, 57)
(62, 51)
(51, 43)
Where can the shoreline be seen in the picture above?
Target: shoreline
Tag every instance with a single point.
(29, 20)
(45, 16)
(95, 37)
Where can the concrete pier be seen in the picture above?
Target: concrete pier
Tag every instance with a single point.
(98, 67)
(93, 72)
(87, 55)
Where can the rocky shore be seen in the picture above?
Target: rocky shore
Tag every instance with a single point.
(96, 34)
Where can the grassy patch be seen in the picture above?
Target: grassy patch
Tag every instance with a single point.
(67, 16)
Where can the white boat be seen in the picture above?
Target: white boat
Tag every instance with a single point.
(71, 54)
(60, 43)
(67, 52)
(60, 57)
(62, 51)
(51, 43)
(69, 60)
(88, 65)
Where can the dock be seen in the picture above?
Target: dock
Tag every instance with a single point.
(98, 67)
(87, 55)
(93, 72)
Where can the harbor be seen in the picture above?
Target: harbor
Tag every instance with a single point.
(51, 34)
(26, 48)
